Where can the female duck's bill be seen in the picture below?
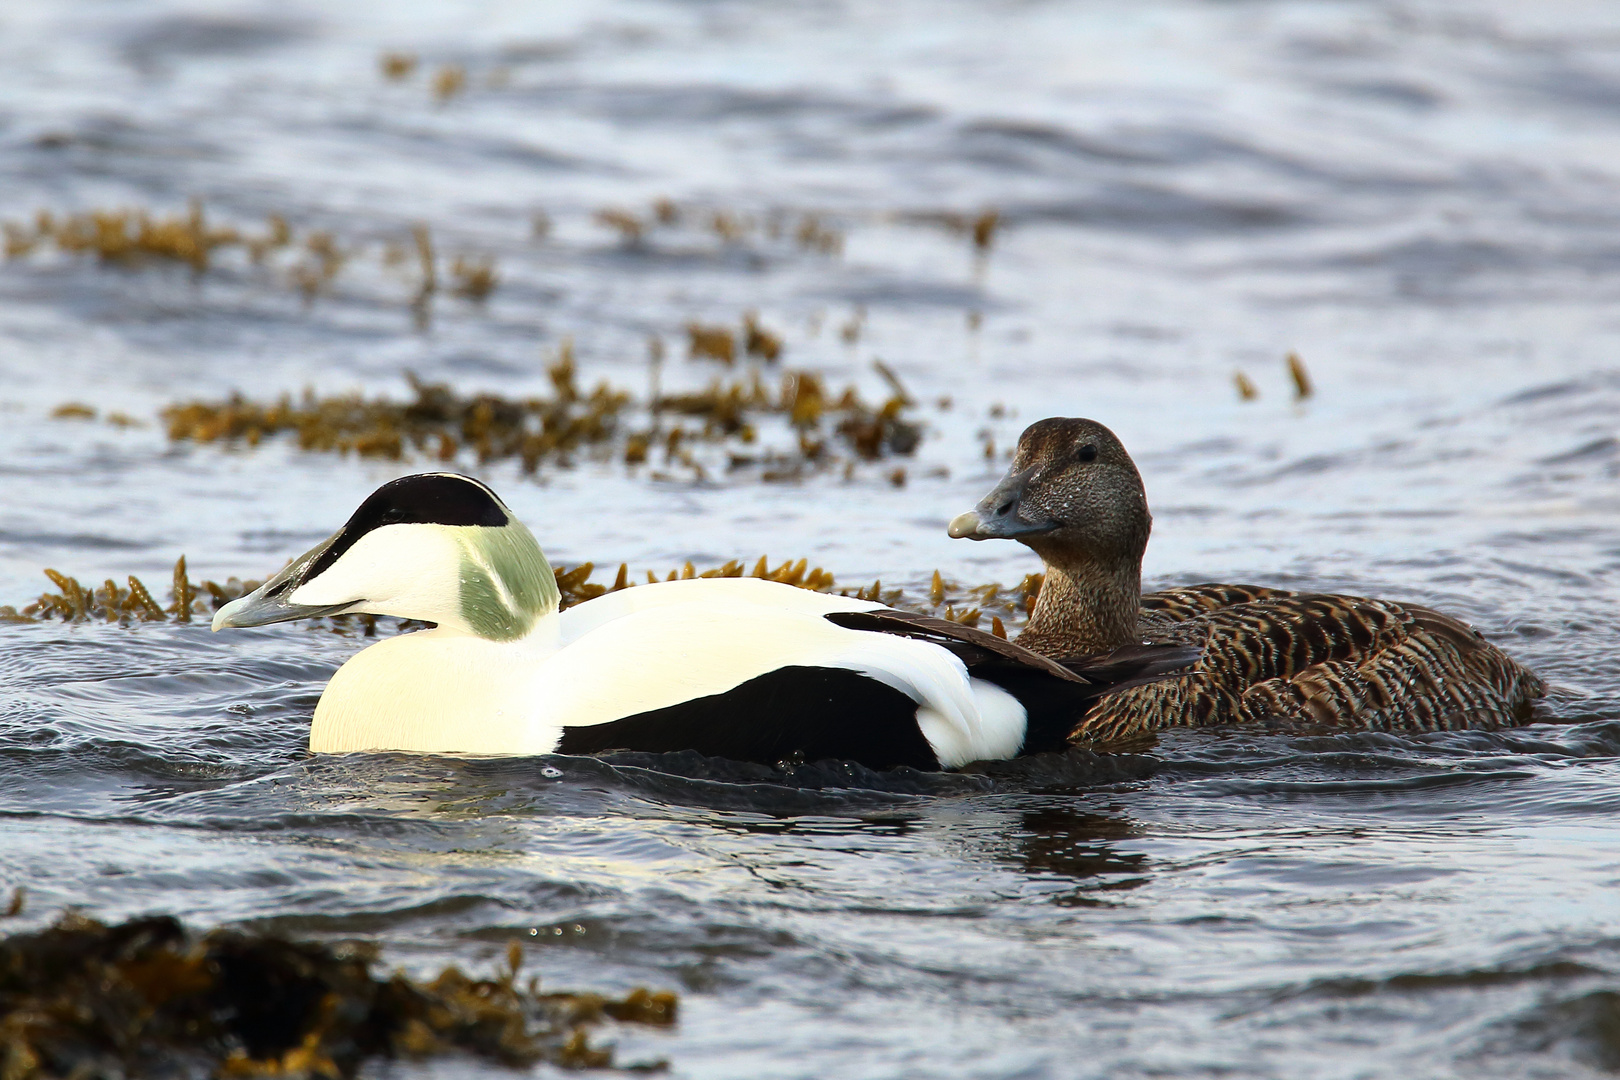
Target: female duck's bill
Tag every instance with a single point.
(734, 667)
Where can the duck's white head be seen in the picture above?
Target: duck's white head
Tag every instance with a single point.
(439, 547)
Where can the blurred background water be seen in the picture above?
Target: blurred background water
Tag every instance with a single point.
(1421, 197)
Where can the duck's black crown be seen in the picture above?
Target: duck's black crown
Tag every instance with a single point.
(422, 499)
(428, 499)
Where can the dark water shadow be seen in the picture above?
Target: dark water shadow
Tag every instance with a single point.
(1059, 841)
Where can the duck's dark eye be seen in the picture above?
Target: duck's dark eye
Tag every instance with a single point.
(1087, 453)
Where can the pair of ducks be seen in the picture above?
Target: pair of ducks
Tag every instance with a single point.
(757, 671)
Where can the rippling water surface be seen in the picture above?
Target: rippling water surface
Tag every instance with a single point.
(1422, 198)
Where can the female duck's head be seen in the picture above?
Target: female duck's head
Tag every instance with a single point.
(439, 547)
(1072, 493)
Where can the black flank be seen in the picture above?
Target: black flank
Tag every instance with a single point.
(804, 713)
(423, 499)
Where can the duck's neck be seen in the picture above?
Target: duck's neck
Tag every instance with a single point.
(1085, 606)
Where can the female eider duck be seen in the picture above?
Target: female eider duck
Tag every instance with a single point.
(734, 667)
(1074, 496)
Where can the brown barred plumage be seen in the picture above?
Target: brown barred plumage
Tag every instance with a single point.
(1312, 660)
(1289, 659)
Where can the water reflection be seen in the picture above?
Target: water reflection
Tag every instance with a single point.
(1061, 840)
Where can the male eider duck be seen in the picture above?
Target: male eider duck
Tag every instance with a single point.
(734, 667)
(1074, 496)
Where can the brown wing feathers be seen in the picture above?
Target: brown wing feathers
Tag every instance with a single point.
(1311, 659)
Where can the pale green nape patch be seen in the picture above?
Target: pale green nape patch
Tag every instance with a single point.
(506, 583)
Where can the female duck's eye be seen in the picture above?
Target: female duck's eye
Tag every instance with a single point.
(1088, 453)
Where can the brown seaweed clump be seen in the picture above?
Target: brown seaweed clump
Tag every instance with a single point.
(809, 232)
(966, 604)
(720, 342)
(125, 235)
(311, 260)
(474, 276)
(397, 65)
(981, 228)
(725, 408)
(576, 587)
(114, 604)
(111, 603)
(145, 997)
(439, 422)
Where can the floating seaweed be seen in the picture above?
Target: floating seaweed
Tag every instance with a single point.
(730, 227)
(129, 237)
(984, 229)
(630, 227)
(850, 332)
(474, 276)
(711, 342)
(576, 587)
(76, 602)
(113, 603)
(278, 234)
(314, 273)
(812, 235)
(448, 81)
(804, 401)
(124, 235)
(397, 66)
(439, 423)
(1299, 376)
(980, 228)
(81, 998)
(758, 341)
